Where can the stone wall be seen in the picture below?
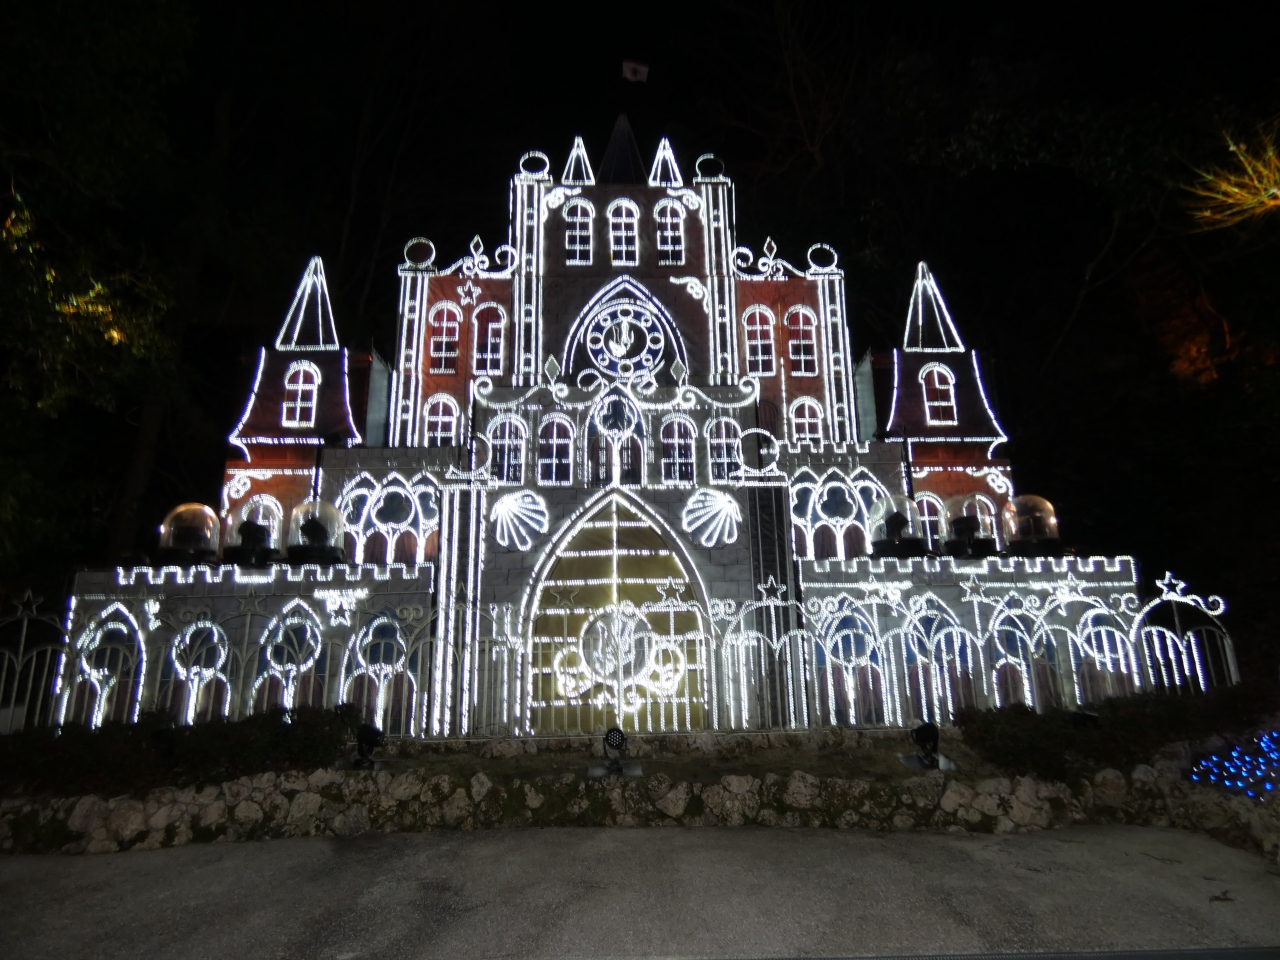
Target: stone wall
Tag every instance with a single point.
(344, 803)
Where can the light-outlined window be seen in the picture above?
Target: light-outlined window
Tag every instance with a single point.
(724, 451)
(678, 457)
(578, 216)
(758, 324)
(624, 239)
(555, 452)
(445, 322)
(489, 322)
(939, 385)
(806, 422)
(802, 342)
(440, 422)
(301, 386)
(931, 520)
(669, 218)
(506, 445)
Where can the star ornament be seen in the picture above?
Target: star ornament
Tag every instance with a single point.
(771, 590)
(972, 589)
(1170, 586)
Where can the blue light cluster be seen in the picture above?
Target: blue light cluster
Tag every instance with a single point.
(1253, 770)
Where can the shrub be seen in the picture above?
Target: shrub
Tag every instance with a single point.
(135, 757)
(1065, 745)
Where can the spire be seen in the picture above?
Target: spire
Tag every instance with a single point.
(665, 172)
(622, 162)
(929, 326)
(309, 323)
(577, 172)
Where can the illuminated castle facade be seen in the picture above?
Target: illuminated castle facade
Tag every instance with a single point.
(621, 470)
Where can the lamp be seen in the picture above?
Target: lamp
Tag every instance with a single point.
(614, 739)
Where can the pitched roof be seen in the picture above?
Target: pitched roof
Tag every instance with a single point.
(929, 326)
(622, 162)
(665, 172)
(577, 172)
(309, 322)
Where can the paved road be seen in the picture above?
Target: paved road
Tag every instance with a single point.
(652, 892)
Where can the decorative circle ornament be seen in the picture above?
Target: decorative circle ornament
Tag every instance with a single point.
(625, 340)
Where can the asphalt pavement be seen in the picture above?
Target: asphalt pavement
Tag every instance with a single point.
(713, 892)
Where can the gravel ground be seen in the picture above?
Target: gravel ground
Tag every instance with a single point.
(638, 893)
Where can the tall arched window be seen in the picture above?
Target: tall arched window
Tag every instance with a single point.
(301, 384)
(440, 422)
(806, 423)
(445, 321)
(759, 330)
(802, 342)
(939, 385)
(724, 446)
(677, 451)
(624, 242)
(506, 443)
(931, 520)
(489, 322)
(555, 453)
(578, 215)
(669, 216)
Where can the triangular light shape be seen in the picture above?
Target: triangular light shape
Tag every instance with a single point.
(665, 172)
(577, 172)
(309, 323)
(929, 326)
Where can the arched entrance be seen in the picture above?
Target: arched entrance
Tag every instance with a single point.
(616, 631)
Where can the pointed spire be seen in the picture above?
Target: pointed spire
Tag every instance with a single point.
(622, 162)
(577, 172)
(929, 326)
(309, 323)
(665, 172)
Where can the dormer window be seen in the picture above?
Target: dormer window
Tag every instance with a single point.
(578, 215)
(806, 423)
(939, 385)
(624, 242)
(669, 217)
(301, 384)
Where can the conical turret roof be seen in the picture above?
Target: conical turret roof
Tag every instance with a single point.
(622, 162)
(309, 323)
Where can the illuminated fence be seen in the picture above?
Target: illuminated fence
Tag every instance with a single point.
(872, 643)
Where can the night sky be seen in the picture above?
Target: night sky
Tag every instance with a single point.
(205, 151)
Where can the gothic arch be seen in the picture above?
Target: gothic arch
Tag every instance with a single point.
(620, 290)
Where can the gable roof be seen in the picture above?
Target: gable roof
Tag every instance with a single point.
(622, 162)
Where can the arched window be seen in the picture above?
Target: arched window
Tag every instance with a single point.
(506, 442)
(630, 461)
(931, 520)
(624, 243)
(825, 544)
(445, 321)
(802, 342)
(555, 453)
(724, 445)
(301, 384)
(669, 216)
(677, 451)
(440, 421)
(806, 423)
(855, 542)
(759, 328)
(939, 385)
(578, 215)
(489, 322)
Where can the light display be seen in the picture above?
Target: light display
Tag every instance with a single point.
(635, 477)
(1253, 770)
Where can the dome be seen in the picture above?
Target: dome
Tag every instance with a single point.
(255, 530)
(1029, 519)
(896, 530)
(971, 526)
(315, 533)
(189, 532)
